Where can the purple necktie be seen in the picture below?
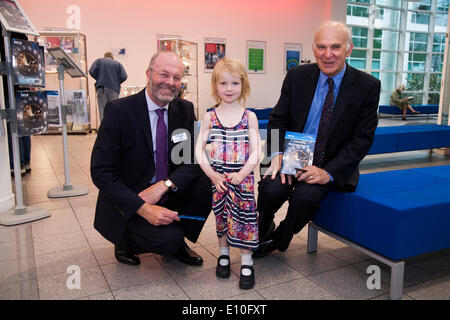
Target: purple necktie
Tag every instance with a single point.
(162, 169)
(322, 132)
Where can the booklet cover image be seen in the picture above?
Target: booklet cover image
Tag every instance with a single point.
(28, 63)
(298, 152)
(31, 113)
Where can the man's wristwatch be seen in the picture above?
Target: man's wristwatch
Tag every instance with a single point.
(169, 184)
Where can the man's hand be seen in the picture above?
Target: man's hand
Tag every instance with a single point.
(313, 175)
(275, 167)
(156, 215)
(154, 193)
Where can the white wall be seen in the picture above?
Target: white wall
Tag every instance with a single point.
(134, 25)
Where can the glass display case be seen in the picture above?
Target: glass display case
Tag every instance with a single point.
(126, 91)
(76, 89)
(187, 50)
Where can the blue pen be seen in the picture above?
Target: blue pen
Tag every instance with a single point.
(191, 217)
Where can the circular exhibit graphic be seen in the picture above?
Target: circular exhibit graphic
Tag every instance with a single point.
(28, 62)
(33, 113)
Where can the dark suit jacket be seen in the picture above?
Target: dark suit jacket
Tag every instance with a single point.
(353, 121)
(122, 163)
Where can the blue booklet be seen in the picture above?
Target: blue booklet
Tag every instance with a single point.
(298, 152)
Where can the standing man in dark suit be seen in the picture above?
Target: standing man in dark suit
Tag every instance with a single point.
(338, 104)
(142, 164)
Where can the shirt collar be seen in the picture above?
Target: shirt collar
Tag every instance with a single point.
(151, 105)
(337, 78)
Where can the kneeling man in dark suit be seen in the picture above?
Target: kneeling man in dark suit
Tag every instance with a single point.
(143, 165)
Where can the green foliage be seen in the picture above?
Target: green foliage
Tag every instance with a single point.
(414, 82)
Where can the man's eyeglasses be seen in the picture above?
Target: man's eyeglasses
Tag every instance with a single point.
(166, 76)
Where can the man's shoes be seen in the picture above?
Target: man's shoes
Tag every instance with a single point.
(264, 249)
(188, 256)
(223, 271)
(269, 233)
(247, 282)
(126, 257)
(27, 168)
(266, 243)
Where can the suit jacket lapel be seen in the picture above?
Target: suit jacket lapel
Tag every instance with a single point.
(171, 125)
(144, 120)
(305, 104)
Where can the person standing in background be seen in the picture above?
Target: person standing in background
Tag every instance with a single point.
(109, 74)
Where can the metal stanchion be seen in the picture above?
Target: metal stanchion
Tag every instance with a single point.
(67, 190)
(21, 213)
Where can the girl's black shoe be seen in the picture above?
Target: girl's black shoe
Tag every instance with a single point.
(223, 271)
(247, 282)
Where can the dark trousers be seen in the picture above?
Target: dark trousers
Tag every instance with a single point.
(143, 237)
(304, 201)
(24, 149)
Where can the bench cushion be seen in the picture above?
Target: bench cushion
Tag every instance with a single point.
(425, 109)
(397, 214)
(407, 138)
(261, 113)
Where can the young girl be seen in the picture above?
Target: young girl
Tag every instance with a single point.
(234, 153)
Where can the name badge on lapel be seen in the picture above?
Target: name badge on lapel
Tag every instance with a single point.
(179, 137)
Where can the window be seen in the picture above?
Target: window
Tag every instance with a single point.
(439, 43)
(412, 53)
(359, 37)
(442, 6)
(417, 41)
(358, 59)
(420, 18)
(358, 11)
(420, 5)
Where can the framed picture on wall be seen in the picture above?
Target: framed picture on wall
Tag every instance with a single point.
(214, 51)
(14, 19)
(256, 56)
(292, 55)
(166, 42)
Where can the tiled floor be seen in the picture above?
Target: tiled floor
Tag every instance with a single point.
(35, 257)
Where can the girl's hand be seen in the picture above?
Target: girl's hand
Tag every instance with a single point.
(235, 177)
(219, 181)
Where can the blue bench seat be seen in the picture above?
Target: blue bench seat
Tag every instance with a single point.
(393, 215)
(408, 138)
(423, 109)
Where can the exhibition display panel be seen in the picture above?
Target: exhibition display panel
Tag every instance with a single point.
(188, 51)
(76, 89)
